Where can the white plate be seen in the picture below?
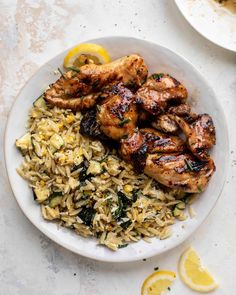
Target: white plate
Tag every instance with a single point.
(158, 59)
(214, 22)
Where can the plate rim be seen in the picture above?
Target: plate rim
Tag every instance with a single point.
(71, 247)
(187, 18)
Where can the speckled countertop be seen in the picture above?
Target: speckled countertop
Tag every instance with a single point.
(31, 33)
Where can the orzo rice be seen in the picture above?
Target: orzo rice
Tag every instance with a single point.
(86, 187)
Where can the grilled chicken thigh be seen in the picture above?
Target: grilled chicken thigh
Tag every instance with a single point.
(146, 141)
(180, 171)
(200, 135)
(80, 91)
(158, 142)
(117, 115)
(160, 89)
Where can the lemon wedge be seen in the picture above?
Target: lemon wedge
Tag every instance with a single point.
(193, 274)
(158, 282)
(86, 53)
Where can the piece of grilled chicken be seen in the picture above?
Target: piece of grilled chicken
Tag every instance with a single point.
(79, 91)
(149, 141)
(117, 114)
(200, 135)
(165, 123)
(158, 92)
(180, 171)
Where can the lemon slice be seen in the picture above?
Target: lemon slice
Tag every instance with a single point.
(193, 274)
(158, 282)
(86, 53)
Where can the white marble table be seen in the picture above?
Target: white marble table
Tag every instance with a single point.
(31, 33)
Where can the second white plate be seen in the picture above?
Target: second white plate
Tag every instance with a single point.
(214, 22)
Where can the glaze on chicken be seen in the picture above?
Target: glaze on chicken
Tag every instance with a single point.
(180, 171)
(200, 135)
(79, 91)
(158, 92)
(117, 114)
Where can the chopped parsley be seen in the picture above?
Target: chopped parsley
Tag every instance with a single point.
(60, 71)
(124, 121)
(122, 246)
(87, 215)
(77, 70)
(157, 76)
(188, 164)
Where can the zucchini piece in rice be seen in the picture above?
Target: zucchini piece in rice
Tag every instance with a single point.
(41, 194)
(55, 199)
(180, 206)
(56, 141)
(40, 102)
(24, 142)
(177, 212)
(179, 209)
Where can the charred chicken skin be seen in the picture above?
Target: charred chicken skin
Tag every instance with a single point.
(180, 171)
(79, 91)
(160, 89)
(154, 142)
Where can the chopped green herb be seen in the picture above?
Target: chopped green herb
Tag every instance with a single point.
(124, 121)
(126, 224)
(60, 71)
(122, 246)
(200, 189)
(74, 69)
(157, 76)
(135, 195)
(98, 108)
(120, 116)
(87, 215)
(83, 173)
(169, 288)
(130, 84)
(123, 203)
(95, 83)
(188, 164)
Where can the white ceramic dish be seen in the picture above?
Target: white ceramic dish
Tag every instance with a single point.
(214, 22)
(158, 59)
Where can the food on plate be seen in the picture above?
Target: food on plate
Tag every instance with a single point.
(228, 4)
(158, 92)
(80, 89)
(86, 53)
(180, 171)
(105, 156)
(200, 135)
(117, 114)
(193, 274)
(158, 282)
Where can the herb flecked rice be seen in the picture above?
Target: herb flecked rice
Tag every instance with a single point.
(86, 187)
